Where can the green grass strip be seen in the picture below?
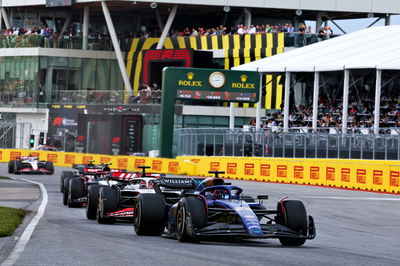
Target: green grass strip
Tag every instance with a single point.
(10, 219)
(4, 177)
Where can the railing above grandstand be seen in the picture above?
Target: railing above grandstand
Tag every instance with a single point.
(297, 143)
(104, 42)
(26, 99)
(55, 41)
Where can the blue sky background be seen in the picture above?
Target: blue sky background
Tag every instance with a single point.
(356, 24)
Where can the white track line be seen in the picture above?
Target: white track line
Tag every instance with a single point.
(26, 235)
(354, 198)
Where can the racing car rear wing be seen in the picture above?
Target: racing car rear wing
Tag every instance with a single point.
(175, 183)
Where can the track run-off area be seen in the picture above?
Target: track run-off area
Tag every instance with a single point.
(353, 228)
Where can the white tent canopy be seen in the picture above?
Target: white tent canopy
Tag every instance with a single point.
(372, 48)
(375, 47)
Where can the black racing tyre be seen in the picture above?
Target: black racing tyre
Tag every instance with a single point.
(191, 215)
(17, 167)
(50, 168)
(11, 166)
(295, 218)
(65, 174)
(149, 214)
(108, 201)
(92, 200)
(76, 191)
(66, 189)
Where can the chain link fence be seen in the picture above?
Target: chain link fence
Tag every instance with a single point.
(297, 143)
(14, 135)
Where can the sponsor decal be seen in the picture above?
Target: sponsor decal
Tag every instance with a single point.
(86, 159)
(361, 176)
(1, 155)
(177, 181)
(231, 168)
(214, 166)
(314, 172)
(62, 121)
(105, 160)
(51, 157)
(394, 178)
(14, 155)
(156, 165)
(281, 170)
(249, 168)
(139, 162)
(345, 175)
(330, 174)
(69, 159)
(298, 172)
(173, 167)
(377, 177)
(34, 154)
(123, 163)
(265, 170)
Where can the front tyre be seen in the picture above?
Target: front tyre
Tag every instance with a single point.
(11, 166)
(191, 215)
(76, 191)
(149, 215)
(295, 218)
(92, 201)
(50, 168)
(108, 201)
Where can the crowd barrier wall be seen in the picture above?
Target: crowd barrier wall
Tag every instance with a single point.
(369, 175)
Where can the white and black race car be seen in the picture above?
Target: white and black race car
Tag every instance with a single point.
(30, 165)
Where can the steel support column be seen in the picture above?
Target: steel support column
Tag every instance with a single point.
(315, 100)
(167, 27)
(86, 14)
(345, 99)
(5, 18)
(258, 108)
(232, 116)
(378, 89)
(286, 102)
(117, 48)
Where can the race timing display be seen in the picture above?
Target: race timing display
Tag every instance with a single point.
(214, 85)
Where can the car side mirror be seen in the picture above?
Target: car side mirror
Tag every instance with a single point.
(262, 197)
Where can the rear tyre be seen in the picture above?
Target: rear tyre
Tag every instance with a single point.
(92, 201)
(191, 215)
(50, 168)
(65, 174)
(149, 215)
(108, 201)
(295, 218)
(66, 190)
(11, 166)
(76, 191)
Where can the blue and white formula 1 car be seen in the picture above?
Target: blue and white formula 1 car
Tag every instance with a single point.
(216, 210)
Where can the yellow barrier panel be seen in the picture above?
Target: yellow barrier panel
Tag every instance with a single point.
(370, 175)
(394, 179)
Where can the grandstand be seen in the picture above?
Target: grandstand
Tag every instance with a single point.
(81, 78)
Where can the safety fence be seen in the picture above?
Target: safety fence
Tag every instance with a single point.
(297, 143)
(368, 175)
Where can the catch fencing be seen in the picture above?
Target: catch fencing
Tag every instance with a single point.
(297, 143)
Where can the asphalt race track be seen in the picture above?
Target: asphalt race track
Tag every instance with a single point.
(353, 228)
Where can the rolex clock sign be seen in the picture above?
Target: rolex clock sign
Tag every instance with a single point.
(213, 84)
(202, 84)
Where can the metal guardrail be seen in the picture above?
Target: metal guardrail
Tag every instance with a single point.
(292, 144)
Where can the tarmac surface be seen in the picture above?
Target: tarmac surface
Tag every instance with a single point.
(353, 228)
